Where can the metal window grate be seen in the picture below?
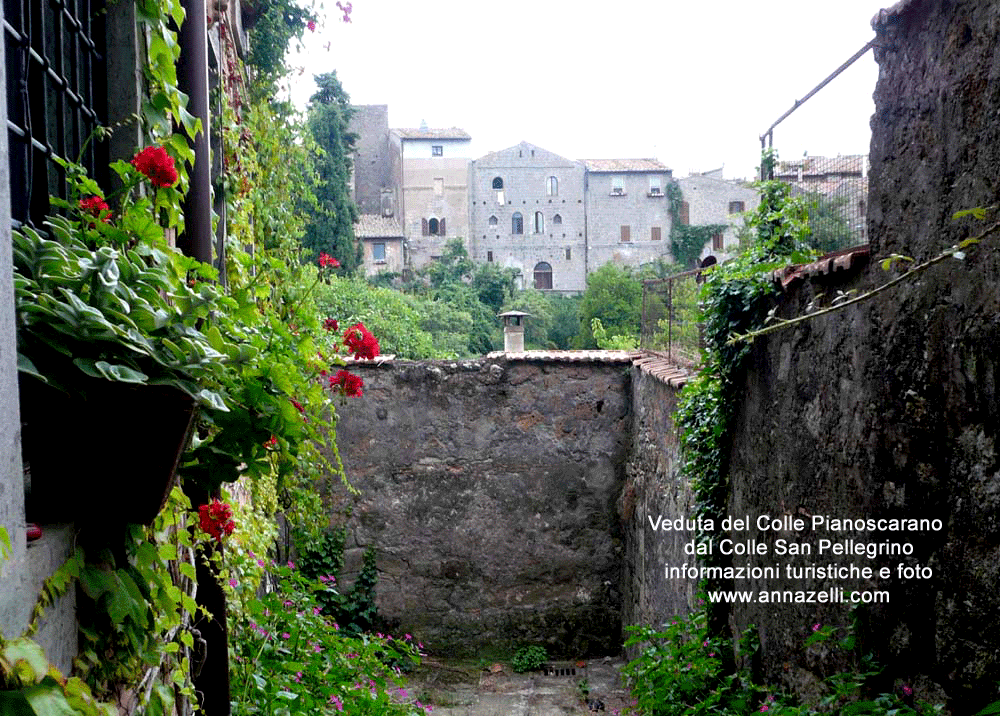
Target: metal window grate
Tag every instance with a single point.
(56, 96)
(564, 668)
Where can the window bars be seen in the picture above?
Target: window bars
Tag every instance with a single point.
(56, 96)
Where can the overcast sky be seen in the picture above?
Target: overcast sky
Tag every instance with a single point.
(691, 83)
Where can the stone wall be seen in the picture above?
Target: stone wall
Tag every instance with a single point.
(654, 488)
(491, 489)
(891, 408)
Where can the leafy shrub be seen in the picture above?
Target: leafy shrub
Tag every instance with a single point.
(529, 658)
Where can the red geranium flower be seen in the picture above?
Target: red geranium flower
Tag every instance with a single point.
(327, 260)
(349, 385)
(216, 519)
(157, 165)
(95, 205)
(361, 342)
(311, 25)
(331, 324)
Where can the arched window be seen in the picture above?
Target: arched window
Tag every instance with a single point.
(497, 183)
(517, 223)
(552, 187)
(493, 221)
(557, 219)
(543, 275)
(424, 228)
(539, 223)
(432, 226)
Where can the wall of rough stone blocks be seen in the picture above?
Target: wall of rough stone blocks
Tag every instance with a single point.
(890, 408)
(508, 501)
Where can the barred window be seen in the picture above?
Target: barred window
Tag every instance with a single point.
(56, 97)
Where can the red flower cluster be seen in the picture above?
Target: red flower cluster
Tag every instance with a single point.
(216, 519)
(95, 205)
(331, 324)
(349, 385)
(361, 342)
(157, 165)
(346, 9)
(327, 260)
(311, 25)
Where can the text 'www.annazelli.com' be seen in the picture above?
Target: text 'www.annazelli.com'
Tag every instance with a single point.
(833, 595)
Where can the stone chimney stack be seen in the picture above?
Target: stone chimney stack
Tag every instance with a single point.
(513, 331)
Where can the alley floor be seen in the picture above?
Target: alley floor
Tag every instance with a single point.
(460, 689)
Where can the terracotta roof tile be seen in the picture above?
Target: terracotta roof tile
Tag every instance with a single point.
(569, 356)
(844, 261)
(625, 165)
(431, 133)
(373, 226)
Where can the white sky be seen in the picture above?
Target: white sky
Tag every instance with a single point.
(692, 83)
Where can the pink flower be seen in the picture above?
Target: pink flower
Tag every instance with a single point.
(816, 626)
(286, 635)
(326, 260)
(232, 583)
(907, 691)
(764, 707)
(311, 25)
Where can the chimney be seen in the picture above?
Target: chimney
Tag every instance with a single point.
(513, 331)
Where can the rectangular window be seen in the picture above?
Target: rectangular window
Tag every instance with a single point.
(569, 254)
(489, 256)
(617, 185)
(685, 213)
(736, 207)
(438, 186)
(654, 233)
(626, 234)
(654, 186)
(717, 241)
(437, 150)
(378, 253)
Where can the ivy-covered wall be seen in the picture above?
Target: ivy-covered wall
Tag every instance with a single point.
(890, 408)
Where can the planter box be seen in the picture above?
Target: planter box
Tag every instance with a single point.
(106, 454)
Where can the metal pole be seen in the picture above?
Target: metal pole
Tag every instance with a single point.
(817, 88)
(192, 78)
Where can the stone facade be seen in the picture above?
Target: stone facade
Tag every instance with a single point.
(891, 407)
(375, 192)
(527, 212)
(433, 179)
(381, 244)
(713, 200)
(490, 489)
(628, 213)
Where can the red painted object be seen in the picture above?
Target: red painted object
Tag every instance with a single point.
(34, 531)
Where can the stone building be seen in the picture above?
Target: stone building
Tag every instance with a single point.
(527, 212)
(381, 244)
(431, 169)
(628, 212)
(372, 184)
(711, 199)
(840, 185)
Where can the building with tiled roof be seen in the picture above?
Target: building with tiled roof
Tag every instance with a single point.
(382, 244)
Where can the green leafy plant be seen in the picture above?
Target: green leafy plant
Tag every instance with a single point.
(529, 658)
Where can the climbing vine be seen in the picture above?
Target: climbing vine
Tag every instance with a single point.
(735, 298)
(686, 241)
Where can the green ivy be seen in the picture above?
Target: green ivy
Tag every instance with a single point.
(686, 240)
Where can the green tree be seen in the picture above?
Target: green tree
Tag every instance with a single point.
(538, 325)
(828, 228)
(614, 294)
(331, 228)
(565, 312)
(494, 285)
